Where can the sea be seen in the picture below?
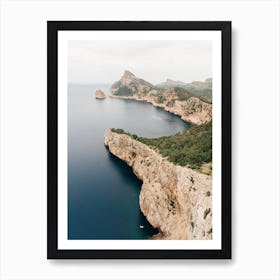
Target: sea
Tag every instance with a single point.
(103, 192)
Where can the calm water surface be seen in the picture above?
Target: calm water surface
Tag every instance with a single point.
(103, 192)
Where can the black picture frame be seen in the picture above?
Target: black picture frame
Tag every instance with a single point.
(53, 27)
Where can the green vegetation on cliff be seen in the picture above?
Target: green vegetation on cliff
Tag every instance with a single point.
(191, 148)
(202, 90)
(123, 91)
(182, 94)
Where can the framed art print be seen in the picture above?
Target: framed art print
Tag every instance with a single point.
(139, 140)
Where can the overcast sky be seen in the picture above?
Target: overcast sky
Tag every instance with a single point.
(94, 62)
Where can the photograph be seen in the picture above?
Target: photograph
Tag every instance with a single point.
(138, 141)
(139, 149)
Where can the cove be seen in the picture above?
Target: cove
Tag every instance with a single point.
(103, 192)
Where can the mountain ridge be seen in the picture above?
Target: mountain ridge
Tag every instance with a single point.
(177, 100)
(202, 89)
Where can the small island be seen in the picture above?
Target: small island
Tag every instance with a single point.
(99, 94)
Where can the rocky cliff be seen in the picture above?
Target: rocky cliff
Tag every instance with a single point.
(99, 94)
(178, 101)
(176, 200)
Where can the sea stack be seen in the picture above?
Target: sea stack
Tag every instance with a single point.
(99, 94)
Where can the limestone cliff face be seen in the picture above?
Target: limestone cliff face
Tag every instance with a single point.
(175, 100)
(176, 200)
(99, 94)
(132, 84)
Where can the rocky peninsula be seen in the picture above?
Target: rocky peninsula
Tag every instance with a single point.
(176, 200)
(177, 100)
(176, 195)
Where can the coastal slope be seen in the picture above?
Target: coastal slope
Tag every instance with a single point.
(198, 88)
(176, 200)
(191, 108)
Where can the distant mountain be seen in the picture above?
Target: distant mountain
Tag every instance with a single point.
(170, 83)
(200, 89)
(178, 100)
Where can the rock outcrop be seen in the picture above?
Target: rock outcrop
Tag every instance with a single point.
(178, 101)
(130, 85)
(99, 94)
(176, 200)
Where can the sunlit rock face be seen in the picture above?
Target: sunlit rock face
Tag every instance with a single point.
(99, 94)
(176, 200)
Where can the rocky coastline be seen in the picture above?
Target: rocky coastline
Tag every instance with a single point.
(178, 101)
(176, 200)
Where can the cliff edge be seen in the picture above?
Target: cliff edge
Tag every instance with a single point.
(176, 200)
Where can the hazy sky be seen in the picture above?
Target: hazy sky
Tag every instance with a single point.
(154, 61)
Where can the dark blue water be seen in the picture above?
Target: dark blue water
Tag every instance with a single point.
(103, 192)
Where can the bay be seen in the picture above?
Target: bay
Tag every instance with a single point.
(103, 192)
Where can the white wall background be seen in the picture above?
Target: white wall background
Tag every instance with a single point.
(255, 139)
